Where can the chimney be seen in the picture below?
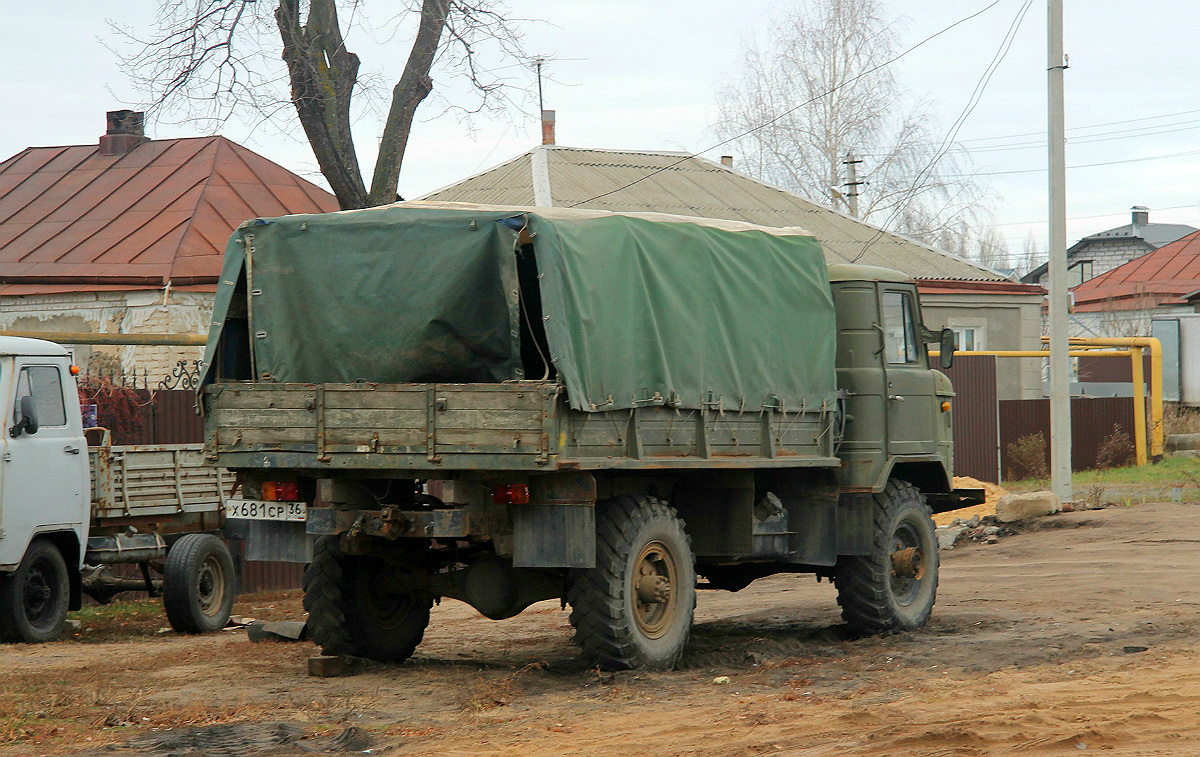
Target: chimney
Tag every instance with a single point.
(547, 127)
(727, 161)
(1141, 215)
(125, 132)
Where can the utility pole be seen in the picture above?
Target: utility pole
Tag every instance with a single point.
(852, 182)
(1060, 366)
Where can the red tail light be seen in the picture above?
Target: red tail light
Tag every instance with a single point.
(281, 491)
(512, 494)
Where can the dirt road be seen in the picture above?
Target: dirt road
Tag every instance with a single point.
(1077, 635)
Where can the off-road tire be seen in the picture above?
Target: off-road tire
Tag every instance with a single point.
(875, 595)
(347, 615)
(614, 628)
(34, 597)
(199, 584)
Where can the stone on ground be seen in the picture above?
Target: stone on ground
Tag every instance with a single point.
(1014, 507)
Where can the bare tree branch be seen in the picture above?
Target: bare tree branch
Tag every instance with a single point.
(825, 54)
(207, 60)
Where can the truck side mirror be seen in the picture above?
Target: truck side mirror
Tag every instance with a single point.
(946, 348)
(27, 421)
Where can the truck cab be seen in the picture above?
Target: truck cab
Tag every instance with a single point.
(898, 420)
(44, 475)
(69, 509)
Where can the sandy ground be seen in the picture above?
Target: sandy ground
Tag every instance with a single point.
(1078, 634)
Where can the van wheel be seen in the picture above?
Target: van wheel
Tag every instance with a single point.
(893, 588)
(634, 609)
(33, 598)
(362, 606)
(199, 584)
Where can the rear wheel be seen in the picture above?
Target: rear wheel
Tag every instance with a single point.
(34, 598)
(363, 606)
(199, 584)
(893, 588)
(634, 609)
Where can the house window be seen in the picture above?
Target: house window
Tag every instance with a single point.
(899, 333)
(968, 338)
(1079, 272)
(43, 384)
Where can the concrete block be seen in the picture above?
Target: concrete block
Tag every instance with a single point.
(1014, 507)
(330, 666)
(1180, 442)
(947, 535)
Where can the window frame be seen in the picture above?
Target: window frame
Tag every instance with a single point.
(44, 420)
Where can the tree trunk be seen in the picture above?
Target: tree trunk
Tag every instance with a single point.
(413, 87)
(323, 73)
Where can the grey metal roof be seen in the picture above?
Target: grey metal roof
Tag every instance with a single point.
(681, 184)
(1156, 234)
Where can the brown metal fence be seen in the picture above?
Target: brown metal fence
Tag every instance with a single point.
(1094, 421)
(976, 417)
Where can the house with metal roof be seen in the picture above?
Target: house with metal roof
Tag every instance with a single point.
(988, 310)
(1105, 250)
(127, 235)
(1157, 294)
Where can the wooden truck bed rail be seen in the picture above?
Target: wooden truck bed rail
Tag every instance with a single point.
(170, 488)
(519, 425)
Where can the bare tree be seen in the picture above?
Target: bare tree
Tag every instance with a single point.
(1031, 256)
(212, 59)
(828, 57)
(982, 244)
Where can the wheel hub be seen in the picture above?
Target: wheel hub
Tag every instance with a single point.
(653, 584)
(908, 563)
(210, 586)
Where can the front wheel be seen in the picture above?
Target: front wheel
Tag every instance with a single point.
(634, 609)
(34, 598)
(199, 584)
(893, 588)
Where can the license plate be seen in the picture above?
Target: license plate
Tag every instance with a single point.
(251, 509)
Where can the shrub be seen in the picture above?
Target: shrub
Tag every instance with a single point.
(118, 408)
(1116, 450)
(1027, 457)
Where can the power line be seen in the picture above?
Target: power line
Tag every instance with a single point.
(1083, 165)
(973, 101)
(788, 112)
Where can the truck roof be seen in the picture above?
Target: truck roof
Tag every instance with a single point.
(855, 272)
(19, 345)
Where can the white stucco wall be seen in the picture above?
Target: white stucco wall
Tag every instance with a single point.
(134, 312)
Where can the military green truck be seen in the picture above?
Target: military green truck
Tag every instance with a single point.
(508, 405)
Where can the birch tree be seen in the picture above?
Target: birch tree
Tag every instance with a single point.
(819, 91)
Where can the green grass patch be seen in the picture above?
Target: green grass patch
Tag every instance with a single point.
(119, 619)
(1174, 472)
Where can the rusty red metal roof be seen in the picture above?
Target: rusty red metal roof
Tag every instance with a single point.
(1165, 276)
(74, 220)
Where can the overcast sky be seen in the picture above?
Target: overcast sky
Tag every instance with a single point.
(636, 75)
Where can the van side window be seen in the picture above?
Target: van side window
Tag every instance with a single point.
(42, 382)
(899, 332)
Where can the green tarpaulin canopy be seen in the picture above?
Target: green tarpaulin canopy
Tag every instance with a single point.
(637, 308)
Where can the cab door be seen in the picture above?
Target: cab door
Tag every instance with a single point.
(46, 480)
(910, 382)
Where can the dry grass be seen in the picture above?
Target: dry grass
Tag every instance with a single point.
(1180, 420)
(497, 692)
(62, 702)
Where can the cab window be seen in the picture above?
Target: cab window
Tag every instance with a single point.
(899, 330)
(42, 382)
